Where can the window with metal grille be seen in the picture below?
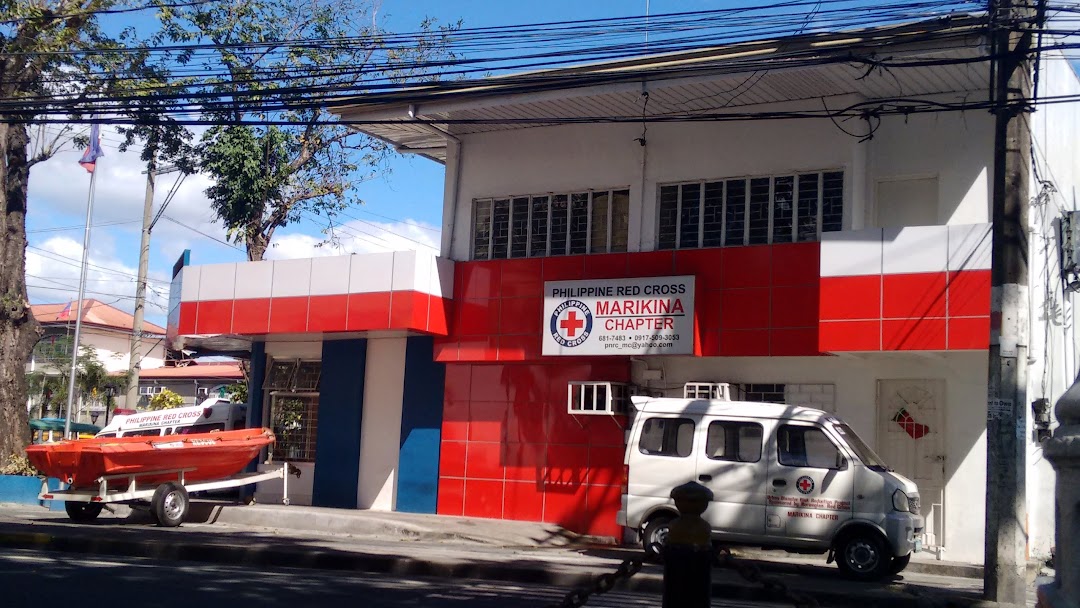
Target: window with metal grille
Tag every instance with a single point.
(751, 210)
(594, 221)
(764, 393)
(294, 418)
(293, 375)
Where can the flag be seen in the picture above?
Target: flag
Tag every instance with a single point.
(64, 313)
(93, 151)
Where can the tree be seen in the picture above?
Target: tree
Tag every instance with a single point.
(91, 378)
(166, 400)
(35, 39)
(268, 177)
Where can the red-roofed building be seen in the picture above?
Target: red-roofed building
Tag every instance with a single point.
(105, 328)
(191, 380)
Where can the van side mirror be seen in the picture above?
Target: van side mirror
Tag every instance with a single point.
(841, 462)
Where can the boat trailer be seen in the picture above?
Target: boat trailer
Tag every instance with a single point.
(168, 502)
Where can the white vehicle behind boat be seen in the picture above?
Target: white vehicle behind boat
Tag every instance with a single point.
(782, 477)
(214, 414)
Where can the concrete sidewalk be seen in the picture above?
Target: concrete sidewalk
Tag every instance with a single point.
(405, 544)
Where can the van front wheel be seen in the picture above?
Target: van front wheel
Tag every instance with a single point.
(655, 537)
(899, 563)
(863, 556)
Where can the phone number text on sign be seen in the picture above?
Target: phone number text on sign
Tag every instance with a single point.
(619, 316)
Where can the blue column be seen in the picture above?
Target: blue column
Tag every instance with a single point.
(256, 376)
(421, 428)
(341, 407)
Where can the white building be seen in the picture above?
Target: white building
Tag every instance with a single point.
(839, 262)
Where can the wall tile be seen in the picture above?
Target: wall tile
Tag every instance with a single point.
(189, 287)
(795, 306)
(969, 247)
(405, 271)
(913, 296)
(214, 317)
(650, 264)
(189, 311)
(913, 334)
(368, 311)
(292, 278)
(524, 501)
(525, 461)
(217, 282)
(796, 264)
(478, 279)
(328, 313)
(564, 268)
(849, 336)
(850, 298)
(442, 281)
(288, 315)
(521, 316)
(483, 460)
(800, 342)
(478, 349)
(605, 266)
(255, 279)
(744, 343)
(969, 334)
(851, 253)
(330, 275)
(451, 499)
(476, 317)
(521, 279)
(915, 249)
(372, 273)
(519, 348)
(969, 293)
(251, 317)
(452, 459)
(705, 264)
(747, 266)
(483, 498)
(745, 308)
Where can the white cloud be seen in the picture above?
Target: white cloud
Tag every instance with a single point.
(357, 236)
(52, 275)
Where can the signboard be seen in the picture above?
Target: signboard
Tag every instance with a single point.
(653, 316)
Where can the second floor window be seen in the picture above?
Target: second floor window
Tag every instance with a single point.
(572, 223)
(751, 210)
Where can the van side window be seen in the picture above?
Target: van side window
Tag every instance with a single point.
(804, 446)
(201, 428)
(143, 433)
(667, 437)
(734, 441)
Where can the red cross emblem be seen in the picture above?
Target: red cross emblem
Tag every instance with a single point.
(804, 485)
(571, 324)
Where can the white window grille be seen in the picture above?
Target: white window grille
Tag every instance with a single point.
(707, 390)
(293, 375)
(294, 418)
(602, 398)
(750, 210)
(150, 390)
(593, 221)
(203, 392)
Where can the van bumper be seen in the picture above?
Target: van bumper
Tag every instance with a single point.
(903, 531)
(620, 518)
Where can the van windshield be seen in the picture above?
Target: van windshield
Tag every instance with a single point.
(863, 451)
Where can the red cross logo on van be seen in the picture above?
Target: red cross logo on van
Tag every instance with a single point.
(805, 485)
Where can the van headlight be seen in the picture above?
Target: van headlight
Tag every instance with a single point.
(900, 501)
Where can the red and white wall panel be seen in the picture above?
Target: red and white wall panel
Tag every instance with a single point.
(912, 288)
(405, 290)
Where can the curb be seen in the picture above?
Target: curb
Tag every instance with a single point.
(568, 577)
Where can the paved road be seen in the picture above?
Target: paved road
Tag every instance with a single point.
(28, 576)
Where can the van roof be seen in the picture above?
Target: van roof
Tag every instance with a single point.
(156, 418)
(752, 409)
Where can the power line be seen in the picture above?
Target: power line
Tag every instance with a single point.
(63, 259)
(196, 230)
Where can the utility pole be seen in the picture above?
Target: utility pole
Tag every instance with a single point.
(1013, 27)
(135, 358)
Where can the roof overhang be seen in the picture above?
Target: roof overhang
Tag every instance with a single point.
(939, 57)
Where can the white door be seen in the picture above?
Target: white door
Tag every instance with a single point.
(810, 485)
(732, 463)
(911, 439)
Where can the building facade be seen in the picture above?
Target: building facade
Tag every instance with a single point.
(584, 260)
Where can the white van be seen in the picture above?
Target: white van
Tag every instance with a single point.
(782, 477)
(214, 414)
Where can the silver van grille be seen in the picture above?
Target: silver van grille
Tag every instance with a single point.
(913, 504)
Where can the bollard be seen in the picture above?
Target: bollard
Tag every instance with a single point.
(1063, 451)
(688, 554)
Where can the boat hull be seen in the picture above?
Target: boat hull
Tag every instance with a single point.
(206, 456)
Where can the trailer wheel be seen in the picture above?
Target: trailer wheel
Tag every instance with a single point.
(170, 504)
(83, 512)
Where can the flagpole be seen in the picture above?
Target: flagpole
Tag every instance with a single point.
(79, 315)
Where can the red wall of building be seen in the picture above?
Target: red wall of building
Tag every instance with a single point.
(511, 451)
(750, 301)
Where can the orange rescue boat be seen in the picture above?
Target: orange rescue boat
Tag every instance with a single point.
(203, 456)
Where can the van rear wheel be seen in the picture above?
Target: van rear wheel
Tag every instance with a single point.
(863, 556)
(655, 537)
(899, 563)
(82, 512)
